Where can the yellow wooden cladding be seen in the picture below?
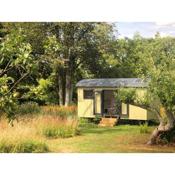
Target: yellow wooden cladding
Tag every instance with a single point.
(97, 102)
(137, 113)
(124, 109)
(86, 107)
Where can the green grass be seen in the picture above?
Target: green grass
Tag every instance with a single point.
(122, 138)
(28, 146)
(144, 128)
(62, 132)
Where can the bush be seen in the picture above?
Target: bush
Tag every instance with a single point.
(28, 146)
(62, 132)
(144, 128)
(28, 108)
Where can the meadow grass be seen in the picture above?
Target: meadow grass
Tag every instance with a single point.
(50, 130)
(33, 109)
(42, 134)
(29, 134)
(118, 139)
(63, 111)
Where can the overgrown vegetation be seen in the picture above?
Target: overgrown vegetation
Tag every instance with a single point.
(62, 112)
(30, 133)
(41, 62)
(28, 146)
(60, 132)
(28, 108)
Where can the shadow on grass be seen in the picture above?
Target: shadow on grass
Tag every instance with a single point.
(112, 130)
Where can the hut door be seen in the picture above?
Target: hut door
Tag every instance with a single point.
(97, 102)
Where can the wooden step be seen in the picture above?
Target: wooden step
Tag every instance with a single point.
(110, 122)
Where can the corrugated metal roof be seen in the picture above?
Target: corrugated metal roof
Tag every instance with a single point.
(112, 82)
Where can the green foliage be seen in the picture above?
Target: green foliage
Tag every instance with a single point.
(28, 146)
(97, 119)
(60, 132)
(7, 100)
(28, 108)
(39, 56)
(126, 95)
(42, 93)
(144, 128)
(86, 123)
(16, 62)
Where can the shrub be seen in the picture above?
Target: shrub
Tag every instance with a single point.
(62, 132)
(28, 108)
(28, 146)
(144, 128)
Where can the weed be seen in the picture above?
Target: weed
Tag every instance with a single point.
(144, 128)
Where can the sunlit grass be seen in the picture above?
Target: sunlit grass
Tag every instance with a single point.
(57, 129)
(28, 134)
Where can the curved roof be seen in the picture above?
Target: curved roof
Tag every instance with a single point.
(112, 82)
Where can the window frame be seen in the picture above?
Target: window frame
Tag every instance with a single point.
(88, 97)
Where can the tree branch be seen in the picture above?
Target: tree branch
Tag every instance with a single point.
(17, 82)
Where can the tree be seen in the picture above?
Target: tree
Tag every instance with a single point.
(16, 63)
(156, 66)
(76, 46)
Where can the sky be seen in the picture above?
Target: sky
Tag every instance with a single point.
(146, 29)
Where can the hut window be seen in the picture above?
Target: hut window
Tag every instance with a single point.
(88, 94)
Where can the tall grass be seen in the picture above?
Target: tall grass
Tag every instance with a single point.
(33, 109)
(30, 134)
(54, 127)
(28, 109)
(26, 146)
(61, 111)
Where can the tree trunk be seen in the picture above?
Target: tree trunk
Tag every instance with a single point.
(71, 93)
(60, 84)
(162, 128)
(68, 88)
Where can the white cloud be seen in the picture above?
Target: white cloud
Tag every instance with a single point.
(163, 34)
(165, 23)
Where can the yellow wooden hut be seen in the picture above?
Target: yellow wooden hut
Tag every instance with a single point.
(96, 97)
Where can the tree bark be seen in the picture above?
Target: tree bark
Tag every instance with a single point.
(162, 128)
(71, 93)
(68, 88)
(60, 84)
